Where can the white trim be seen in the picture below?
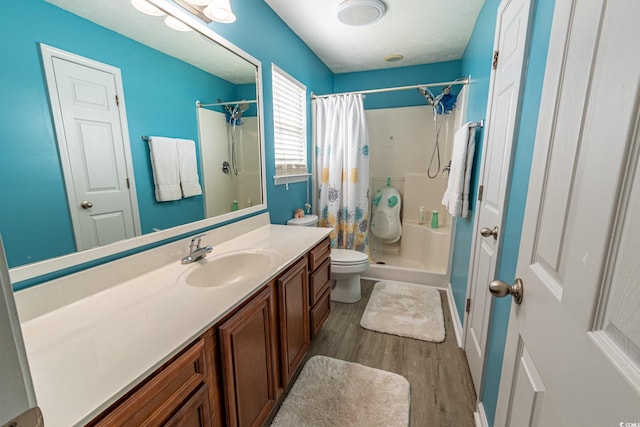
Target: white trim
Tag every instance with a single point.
(480, 417)
(487, 134)
(290, 126)
(290, 179)
(455, 319)
(17, 394)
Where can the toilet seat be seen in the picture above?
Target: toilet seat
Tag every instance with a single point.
(348, 262)
(348, 257)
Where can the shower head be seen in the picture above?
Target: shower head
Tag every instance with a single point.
(238, 109)
(428, 96)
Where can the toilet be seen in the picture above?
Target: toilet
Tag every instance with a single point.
(346, 267)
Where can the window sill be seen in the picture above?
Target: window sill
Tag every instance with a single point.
(289, 179)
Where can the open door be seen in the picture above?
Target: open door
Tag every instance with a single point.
(573, 347)
(17, 397)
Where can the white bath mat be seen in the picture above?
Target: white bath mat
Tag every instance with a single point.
(331, 392)
(404, 309)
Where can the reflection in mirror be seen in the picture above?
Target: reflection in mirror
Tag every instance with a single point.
(233, 166)
(162, 74)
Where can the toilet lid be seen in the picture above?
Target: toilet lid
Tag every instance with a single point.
(348, 256)
(307, 220)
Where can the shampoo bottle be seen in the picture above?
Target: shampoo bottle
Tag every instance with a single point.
(421, 215)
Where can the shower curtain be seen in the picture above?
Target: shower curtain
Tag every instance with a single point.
(342, 169)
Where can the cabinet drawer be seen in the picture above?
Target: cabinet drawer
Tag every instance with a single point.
(320, 312)
(195, 412)
(319, 254)
(319, 281)
(163, 395)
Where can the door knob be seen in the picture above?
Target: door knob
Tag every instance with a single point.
(500, 289)
(86, 204)
(486, 232)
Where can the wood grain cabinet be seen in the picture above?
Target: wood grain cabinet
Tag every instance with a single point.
(248, 343)
(234, 374)
(176, 394)
(293, 307)
(319, 286)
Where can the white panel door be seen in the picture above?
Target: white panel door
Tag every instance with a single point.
(511, 43)
(95, 158)
(573, 346)
(17, 396)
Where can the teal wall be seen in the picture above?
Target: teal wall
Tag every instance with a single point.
(394, 77)
(262, 34)
(477, 62)
(27, 128)
(160, 94)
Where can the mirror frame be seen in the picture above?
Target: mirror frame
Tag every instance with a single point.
(139, 243)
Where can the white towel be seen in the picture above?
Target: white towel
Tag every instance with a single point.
(166, 172)
(189, 180)
(456, 198)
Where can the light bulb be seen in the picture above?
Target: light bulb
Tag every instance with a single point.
(176, 24)
(220, 11)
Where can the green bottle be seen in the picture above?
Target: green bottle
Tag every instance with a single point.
(434, 219)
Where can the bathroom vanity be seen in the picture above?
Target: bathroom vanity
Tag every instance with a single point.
(145, 339)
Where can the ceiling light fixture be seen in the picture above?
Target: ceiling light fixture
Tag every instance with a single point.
(395, 57)
(360, 12)
(220, 11)
(145, 7)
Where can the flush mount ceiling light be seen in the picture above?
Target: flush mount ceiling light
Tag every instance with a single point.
(220, 11)
(394, 57)
(360, 12)
(145, 7)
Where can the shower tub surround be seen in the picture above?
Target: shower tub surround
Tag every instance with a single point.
(92, 336)
(401, 144)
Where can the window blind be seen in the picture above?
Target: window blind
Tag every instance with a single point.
(289, 123)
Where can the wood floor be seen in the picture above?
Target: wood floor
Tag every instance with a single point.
(442, 393)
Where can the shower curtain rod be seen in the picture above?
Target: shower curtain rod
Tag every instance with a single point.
(463, 81)
(244, 101)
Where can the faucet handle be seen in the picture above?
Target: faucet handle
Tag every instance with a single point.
(195, 240)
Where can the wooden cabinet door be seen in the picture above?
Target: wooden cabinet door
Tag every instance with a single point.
(293, 302)
(247, 342)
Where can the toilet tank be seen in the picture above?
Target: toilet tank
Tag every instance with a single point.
(305, 221)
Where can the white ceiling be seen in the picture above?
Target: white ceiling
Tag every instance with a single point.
(424, 31)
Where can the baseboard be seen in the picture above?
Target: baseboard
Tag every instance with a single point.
(480, 417)
(455, 319)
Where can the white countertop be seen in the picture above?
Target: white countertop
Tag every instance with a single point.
(85, 355)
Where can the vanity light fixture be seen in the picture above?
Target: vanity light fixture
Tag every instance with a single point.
(176, 24)
(200, 3)
(360, 12)
(220, 11)
(145, 7)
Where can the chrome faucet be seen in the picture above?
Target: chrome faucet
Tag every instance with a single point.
(195, 251)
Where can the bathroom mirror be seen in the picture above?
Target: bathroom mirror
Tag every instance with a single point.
(164, 72)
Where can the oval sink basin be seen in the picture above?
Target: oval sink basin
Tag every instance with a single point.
(229, 268)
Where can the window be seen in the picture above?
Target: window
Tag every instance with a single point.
(289, 127)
